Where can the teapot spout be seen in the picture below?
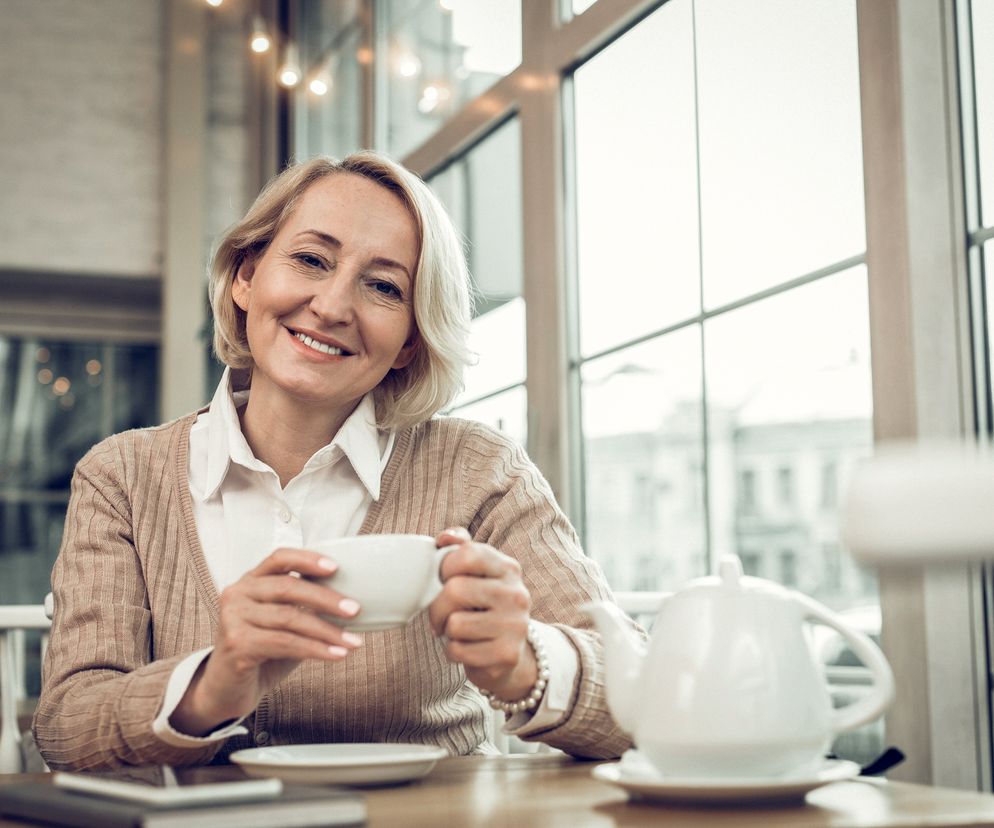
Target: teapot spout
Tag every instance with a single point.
(624, 654)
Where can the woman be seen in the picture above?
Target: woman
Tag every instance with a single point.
(180, 635)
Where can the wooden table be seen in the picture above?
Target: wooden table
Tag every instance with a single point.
(549, 791)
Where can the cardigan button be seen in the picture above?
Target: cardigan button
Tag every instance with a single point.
(262, 738)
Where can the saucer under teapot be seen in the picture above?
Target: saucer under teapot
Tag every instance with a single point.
(729, 686)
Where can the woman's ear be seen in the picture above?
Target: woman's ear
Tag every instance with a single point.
(241, 287)
(407, 352)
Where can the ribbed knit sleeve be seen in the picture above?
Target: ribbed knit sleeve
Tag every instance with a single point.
(101, 688)
(516, 512)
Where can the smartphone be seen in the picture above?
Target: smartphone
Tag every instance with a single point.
(161, 788)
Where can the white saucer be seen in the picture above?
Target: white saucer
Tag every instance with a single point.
(636, 776)
(340, 764)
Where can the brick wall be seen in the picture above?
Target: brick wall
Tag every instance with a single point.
(81, 133)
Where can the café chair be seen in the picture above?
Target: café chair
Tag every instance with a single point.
(15, 620)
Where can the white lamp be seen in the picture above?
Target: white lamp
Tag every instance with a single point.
(921, 503)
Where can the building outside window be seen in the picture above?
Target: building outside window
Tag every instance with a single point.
(735, 331)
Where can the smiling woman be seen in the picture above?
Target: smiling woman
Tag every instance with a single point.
(181, 632)
(328, 309)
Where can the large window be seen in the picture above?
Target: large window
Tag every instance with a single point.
(482, 192)
(435, 56)
(56, 400)
(723, 323)
(333, 53)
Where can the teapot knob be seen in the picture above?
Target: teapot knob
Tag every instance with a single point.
(730, 570)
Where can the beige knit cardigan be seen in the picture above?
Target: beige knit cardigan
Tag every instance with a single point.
(133, 596)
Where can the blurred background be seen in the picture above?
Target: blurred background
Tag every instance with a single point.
(719, 248)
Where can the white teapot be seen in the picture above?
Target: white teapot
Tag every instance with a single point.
(729, 686)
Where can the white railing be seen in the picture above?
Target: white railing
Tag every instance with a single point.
(14, 620)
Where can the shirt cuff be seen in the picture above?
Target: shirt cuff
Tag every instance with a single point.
(179, 681)
(564, 664)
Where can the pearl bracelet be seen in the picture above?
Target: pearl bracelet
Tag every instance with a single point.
(534, 696)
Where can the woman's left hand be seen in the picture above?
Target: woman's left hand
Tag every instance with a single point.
(483, 612)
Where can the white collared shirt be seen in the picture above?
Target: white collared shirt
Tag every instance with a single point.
(242, 515)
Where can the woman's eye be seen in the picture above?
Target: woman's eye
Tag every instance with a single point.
(387, 289)
(310, 259)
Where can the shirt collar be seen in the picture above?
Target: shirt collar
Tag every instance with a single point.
(358, 439)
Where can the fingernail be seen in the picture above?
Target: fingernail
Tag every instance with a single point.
(338, 652)
(352, 638)
(328, 564)
(459, 531)
(348, 606)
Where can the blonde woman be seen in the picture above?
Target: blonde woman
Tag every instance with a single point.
(180, 633)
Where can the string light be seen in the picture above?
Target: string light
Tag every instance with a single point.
(290, 70)
(433, 96)
(407, 63)
(319, 85)
(260, 41)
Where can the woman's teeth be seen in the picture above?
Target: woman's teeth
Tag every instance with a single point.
(319, 346)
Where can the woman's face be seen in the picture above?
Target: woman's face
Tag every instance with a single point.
(329, 305)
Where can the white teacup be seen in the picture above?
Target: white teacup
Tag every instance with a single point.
(393, 577)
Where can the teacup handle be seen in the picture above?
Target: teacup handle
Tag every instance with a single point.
(881, 695)
(435, 584)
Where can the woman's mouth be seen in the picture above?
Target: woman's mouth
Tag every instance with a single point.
(321, 347)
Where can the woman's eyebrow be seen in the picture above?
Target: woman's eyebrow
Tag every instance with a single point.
(330, 240)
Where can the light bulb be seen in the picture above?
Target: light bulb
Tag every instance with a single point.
(260, 41)
(290, 70)
(433, 95)
(429, 99)
(319, 86)
(408, 64)
(214, 3)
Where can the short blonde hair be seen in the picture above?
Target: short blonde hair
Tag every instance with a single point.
(442, 304)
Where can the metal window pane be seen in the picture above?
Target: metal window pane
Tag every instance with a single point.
(506, 412)
(780, 147)
(983, 58)
(643, 463)
(436, 56)
(332, 58)
(50, 410)
(56, 400)
(636, 182)
(789, 394)
(482, 192)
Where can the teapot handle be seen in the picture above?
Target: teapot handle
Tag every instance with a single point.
(882, 693)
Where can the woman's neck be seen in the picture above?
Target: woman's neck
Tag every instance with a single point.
(284, 434)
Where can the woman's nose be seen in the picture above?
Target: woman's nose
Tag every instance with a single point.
(334, 299)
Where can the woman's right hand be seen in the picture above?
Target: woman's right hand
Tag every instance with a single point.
(269, 622)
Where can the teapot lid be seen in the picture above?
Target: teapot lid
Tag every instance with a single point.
(729, 576)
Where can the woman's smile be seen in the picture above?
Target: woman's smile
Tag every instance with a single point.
(318, 347)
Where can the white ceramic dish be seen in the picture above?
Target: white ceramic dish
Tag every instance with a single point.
(644, 783)
(340, 764)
